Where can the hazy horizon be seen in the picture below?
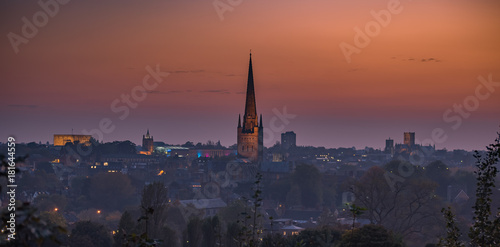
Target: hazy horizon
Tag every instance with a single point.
(426, 59)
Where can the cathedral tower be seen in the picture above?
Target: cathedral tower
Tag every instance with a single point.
(147, 143)
(250, 130)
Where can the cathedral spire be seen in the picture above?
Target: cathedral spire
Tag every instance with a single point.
(250, 108)
(250, 134)
(147, 134)
(260, 125)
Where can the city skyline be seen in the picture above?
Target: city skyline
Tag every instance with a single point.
(411, 73)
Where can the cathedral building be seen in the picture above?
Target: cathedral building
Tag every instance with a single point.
(250, 129)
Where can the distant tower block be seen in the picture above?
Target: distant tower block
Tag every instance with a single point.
(409, 139)
(288, 140)
(147, 142)
(251, 133)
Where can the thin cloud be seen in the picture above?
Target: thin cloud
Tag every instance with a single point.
(165, 92)
(356, 69)
(187, 71)
(23, 106)
(220, 91)
(422, 60)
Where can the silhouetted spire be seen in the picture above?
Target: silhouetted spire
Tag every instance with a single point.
(260, 125)
(239, 120)
(250, 117)
(147, 134)
(250, 108)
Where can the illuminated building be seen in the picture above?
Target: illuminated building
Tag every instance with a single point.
(211, 153)
(409, 139)
(291, 230)
(61, 140)
(250, 134)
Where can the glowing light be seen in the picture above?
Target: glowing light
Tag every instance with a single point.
(98, 211)
(56, 209)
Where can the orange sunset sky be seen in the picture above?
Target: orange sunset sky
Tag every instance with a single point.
(415, 69)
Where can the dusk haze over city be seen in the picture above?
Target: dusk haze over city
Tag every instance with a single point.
(250, 123)
(423, 61)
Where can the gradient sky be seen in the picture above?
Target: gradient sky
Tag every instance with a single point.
(423, 62)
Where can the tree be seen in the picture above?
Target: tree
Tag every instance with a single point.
(453, 233)
(327, 218)
(308, 179)
(169, 238)
(211, 231)
(438, 172)
(111, 191)
(369, 236)
(485, 231)
(273, 240)
(279, 189)
(410, 208)
(355, 212)
(40, 181)
(56, 219)
(193, 234)
(50, 202)
(293, 197)
(251, 225)
(233, 236)
(231, 213)
(257, 203)
(89, 234)
(46, 167)
(31, 229)
(154, 202)
(322, 236)
(188, 144)
(125, 226)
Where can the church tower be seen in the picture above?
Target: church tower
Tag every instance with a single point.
(250, 130)
(147, 143)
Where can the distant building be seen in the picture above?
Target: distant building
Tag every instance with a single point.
(212, 153)
(173, 151)
(251, 133)
(209, 207)
(288, 140)
(61, 140)
(147, 143)
(389, 146)
(409, 139)
(291, 230)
